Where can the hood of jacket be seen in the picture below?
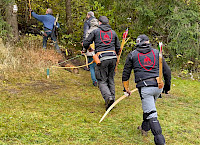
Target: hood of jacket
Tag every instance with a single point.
(94, 23)
(105, 27)
(145, 48)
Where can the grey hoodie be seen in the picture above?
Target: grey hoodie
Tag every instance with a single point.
(93, 25)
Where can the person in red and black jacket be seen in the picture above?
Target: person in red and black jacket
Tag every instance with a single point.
(107, 43)
(145, 63)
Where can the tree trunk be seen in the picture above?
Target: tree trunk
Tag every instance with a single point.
(68, 16)
(11, 19)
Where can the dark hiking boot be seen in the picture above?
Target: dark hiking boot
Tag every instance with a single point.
(109, 102)
(87, 69)
(144, 133)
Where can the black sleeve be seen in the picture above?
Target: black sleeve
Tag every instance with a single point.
(89, 40)
(127, 68)
(117, 44)
(85, 29)
(167, 76)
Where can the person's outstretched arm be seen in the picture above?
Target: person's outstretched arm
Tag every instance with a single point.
(40, 18)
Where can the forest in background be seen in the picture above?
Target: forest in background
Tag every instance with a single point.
(174, 22)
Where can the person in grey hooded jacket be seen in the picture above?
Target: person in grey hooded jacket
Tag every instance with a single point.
(93, 25)
(86, 27)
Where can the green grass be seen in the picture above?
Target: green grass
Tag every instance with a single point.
(66, 109)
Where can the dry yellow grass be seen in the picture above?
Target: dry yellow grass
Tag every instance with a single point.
(26, 58)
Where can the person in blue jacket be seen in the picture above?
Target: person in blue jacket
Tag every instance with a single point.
(48, 23)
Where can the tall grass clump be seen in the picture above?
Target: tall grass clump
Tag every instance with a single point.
(26, 58)
(7, 61)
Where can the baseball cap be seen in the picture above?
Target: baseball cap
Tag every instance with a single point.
(103, 20)
(91, 13)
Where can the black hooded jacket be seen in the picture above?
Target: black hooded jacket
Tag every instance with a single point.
(105, 39)
(145, 63)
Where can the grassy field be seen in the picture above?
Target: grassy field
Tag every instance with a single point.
(66, 109)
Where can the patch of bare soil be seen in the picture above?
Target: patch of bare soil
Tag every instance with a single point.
(42, 86)
(73, 59)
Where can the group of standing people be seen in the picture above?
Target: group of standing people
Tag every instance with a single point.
(99, 39)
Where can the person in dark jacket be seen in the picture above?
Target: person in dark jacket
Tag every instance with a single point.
(145, 63)
(107, 45)
(86, 27)
(48, 23)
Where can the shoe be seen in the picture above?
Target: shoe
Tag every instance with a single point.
(87, 69)
(144, 133)
(160, 96)
(95, 84)
(109, 103)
